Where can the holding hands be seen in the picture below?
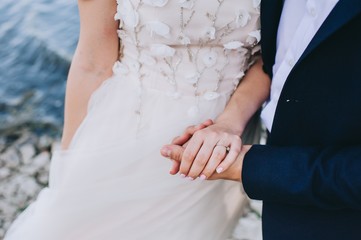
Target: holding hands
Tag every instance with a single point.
(207, 151)
(214, 150)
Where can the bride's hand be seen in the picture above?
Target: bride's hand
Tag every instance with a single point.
(183, 141)
(210, 149)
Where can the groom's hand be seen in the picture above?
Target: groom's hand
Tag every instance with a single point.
(232, 173)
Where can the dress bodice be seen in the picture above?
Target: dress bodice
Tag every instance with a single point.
(195, 48)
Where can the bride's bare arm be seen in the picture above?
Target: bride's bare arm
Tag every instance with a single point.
(94, 57)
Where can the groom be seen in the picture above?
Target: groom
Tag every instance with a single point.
(309, 173)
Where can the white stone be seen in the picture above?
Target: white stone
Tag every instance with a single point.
(2, 233)
(27, 152)
(8, 189)
(10, 158)
(2, 144)
(44, 142)
(7, 210)
(4, 173)
(29, 170)
(28, 186)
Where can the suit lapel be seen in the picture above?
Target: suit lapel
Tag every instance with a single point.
(343, 12)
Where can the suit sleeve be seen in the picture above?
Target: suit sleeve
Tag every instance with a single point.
(326, 177)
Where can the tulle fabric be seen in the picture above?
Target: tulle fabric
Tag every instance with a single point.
(112, 183)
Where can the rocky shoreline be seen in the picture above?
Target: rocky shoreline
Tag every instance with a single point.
(24, 167)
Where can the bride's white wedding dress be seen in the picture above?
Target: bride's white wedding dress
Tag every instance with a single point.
(180, 62)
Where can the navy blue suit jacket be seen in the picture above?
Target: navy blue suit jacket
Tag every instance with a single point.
(309, 173)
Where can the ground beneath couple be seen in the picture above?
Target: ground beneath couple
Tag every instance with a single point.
(24, 167)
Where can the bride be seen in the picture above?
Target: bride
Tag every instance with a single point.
(135, 82)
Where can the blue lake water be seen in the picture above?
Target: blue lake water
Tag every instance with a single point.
(37, 40)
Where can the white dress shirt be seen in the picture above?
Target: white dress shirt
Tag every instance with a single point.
(300, 20)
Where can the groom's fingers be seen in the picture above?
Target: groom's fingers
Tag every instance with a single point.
(174, 152)
(175, 167)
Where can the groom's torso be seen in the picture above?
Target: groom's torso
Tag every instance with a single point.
(320, 104)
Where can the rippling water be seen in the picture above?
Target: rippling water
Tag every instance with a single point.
(37, 39)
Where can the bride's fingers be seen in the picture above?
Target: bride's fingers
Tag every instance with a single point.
(189, 155)
(201, 160)
(218, 154)
(235, 149)
(188, 133)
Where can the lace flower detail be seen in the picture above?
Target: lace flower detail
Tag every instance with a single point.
(254, 37)
(162, 50)
(193, 78)
(158, 28)
(183, 39)
(256, 3)
(120, 68)
(242, 18)
(146, 59)
(188, 4)
(211, 96)
(174, 94)
(127, 14)
(121, 34)
(210, 58)
(210, 33)
(134, 66)
(233, 45)
(156, 3)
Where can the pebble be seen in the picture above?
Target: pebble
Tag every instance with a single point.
(27, 152)
(23, 173)
(10, 158)
(4, 173)
(2, 233)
